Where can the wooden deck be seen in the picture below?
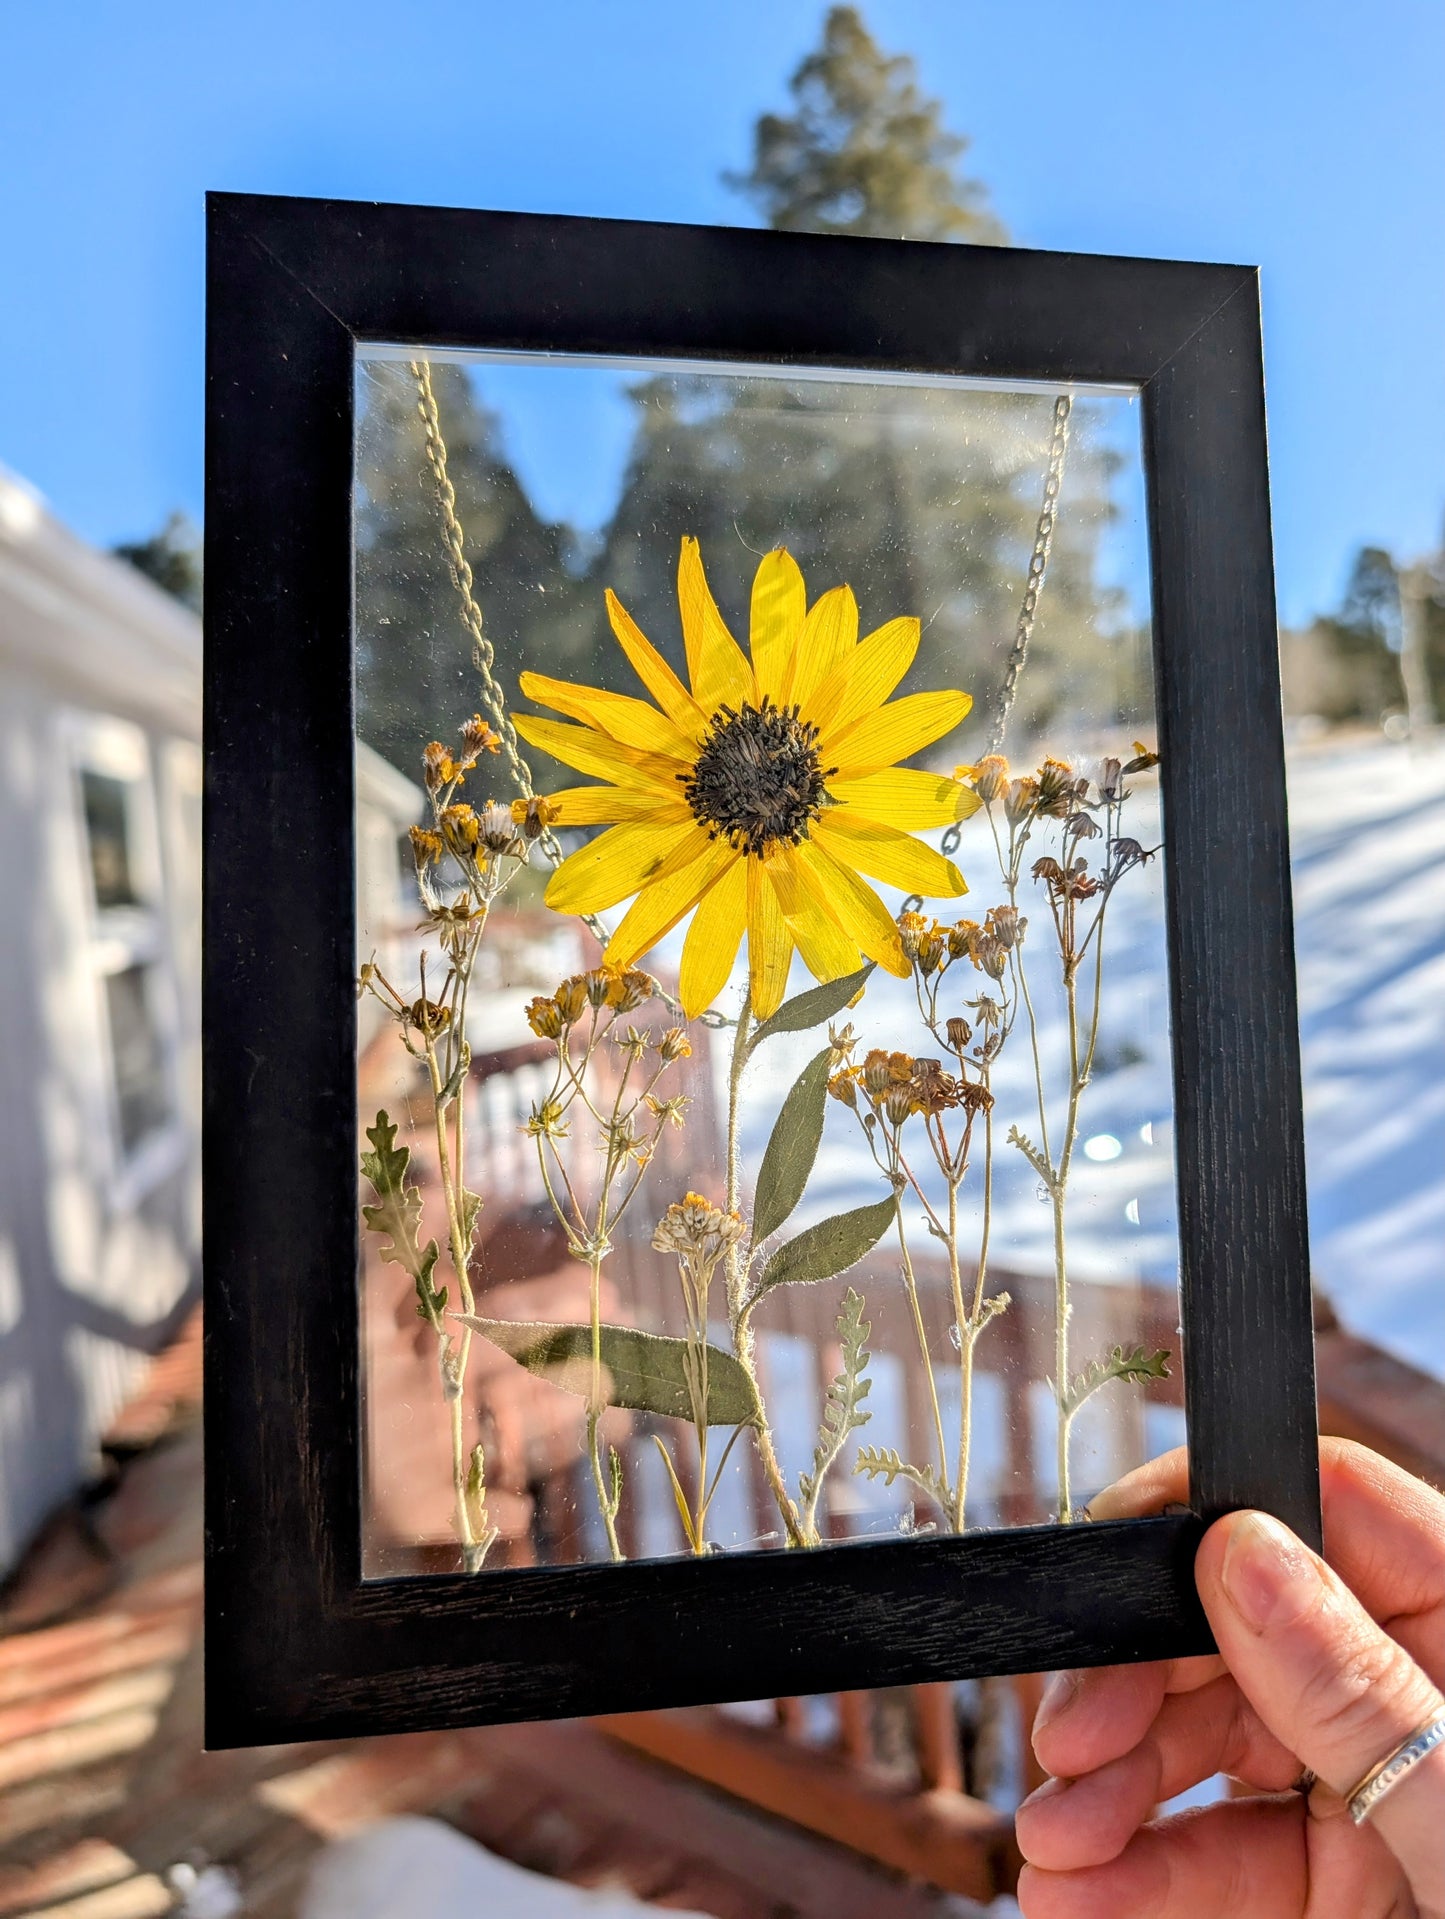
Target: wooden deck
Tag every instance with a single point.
(104, 1787)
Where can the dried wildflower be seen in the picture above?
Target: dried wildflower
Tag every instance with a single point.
(1143, 759)
(755, 779)
(841, 1041)
(991, 955)
(1006, 926)
(669, 1111)
(572, 997)
(990, 1013)
(962, 939)
(1110, 781)
(461, 830)
(674, 1044)
(365, 976)
(958, 1032)
(931, 949)
(438, 768)
(1059, 790)
(933, 1091)
(974, 1098)
(1081, 827)
(912, 927)
(990, 778)
(634, 1041)
(547, 1121)
(693, 1228)
(478, 738)
(1021, 801)
(426, 846)
(875, 1074)
(1127, 853)
(897, 1103)
(497, 831)
(544, 1016)
(598, 984)
(629, 988)
(844, 1086)
(535, 815)
(428, 1017)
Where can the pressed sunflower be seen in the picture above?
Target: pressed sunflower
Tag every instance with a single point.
(761, 794)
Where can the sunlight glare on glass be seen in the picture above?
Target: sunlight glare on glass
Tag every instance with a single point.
(1102, 1146)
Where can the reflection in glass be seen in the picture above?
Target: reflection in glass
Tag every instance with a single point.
(764, 1081)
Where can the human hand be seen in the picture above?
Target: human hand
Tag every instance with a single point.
(1330, 1670)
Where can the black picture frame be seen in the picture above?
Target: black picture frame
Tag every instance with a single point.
(297, 1644)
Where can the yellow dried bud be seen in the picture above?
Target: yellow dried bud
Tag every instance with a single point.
(990, 778)
(461, 830)
(544, 1016)
(674, 1044)
(535, 815)
(844, 1087)
(478, 738)
(426, 846)
(571, 998)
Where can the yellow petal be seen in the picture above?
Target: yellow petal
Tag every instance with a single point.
(720, 674)
(896, 732)
(614, 866)
(631, 722)
(907, 797)
(884, 853)
(861, 913)
(778, 606)
(827, 951)
(865, 679)
(830, 634)
(695, 863)
(601, 805)
(592, 752)
(654, 672)
(770, 945)
(713, 939)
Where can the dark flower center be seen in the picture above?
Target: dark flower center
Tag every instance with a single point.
(758, 778)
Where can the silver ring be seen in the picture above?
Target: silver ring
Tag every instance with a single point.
(1392, 1769)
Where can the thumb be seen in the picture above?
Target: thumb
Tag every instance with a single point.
(1325, 1679)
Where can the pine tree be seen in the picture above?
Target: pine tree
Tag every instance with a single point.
(864, 151)
(172, 558)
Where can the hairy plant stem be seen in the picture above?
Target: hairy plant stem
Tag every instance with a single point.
(910, 1286)
(970, 1328)
(595, 1409)
(740, 1310)
(453, 1358)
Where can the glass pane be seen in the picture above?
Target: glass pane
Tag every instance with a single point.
(735, 1269)
(107, 831)
(136, 1057)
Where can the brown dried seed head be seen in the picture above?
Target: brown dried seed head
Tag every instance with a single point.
(897, 1104)
(962, 938)
(875, 1074)
(1006, 926)
(535, 815)
(912, 927)
(959, 1033)
(931, 949)
(498, 833)
(598, 984)
(992, 957)
(428, 1017)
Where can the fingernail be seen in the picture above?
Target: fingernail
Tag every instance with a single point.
(1050, 1789)
(1267, 1575)
(1060, 1691)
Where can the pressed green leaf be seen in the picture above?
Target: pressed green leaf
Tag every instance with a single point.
(808, 1009)
(1120, 1362)
(843, 1409)
(883, 1462)
(643, 1372)
(830, 1247)
(397, 1214)
(792, 1147)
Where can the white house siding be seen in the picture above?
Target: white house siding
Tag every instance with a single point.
(99, 1218)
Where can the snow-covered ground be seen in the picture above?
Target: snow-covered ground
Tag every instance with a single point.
(1368, 833)
(1368, 829)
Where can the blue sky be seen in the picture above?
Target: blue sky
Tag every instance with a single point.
(1305, 138)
